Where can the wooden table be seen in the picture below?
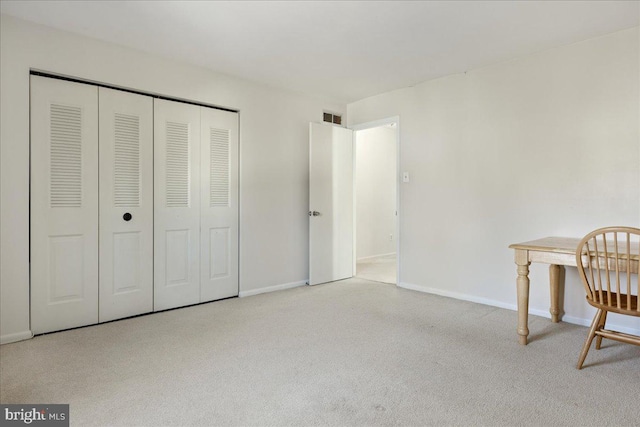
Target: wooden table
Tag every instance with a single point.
(556, 251)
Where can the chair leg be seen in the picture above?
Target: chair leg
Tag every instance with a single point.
(603, 320)
(592, 333)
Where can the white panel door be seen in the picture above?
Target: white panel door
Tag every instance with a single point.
(126, 204)
(218, 204)
(330, 203)
(176, 204)
(64, 204)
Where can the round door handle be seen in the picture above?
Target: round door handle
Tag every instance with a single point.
(127, 216)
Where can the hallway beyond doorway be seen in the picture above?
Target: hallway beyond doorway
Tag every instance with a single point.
(378, 269)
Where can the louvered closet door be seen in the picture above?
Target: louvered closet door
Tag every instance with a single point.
(177, 204)
(219, 205)
(64, 204)
(126, 204)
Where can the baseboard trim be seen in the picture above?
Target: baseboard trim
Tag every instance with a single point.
(272, 288)
(19, 336)
(513, 307)
(610, 325)
(458, 295)
(374, 256)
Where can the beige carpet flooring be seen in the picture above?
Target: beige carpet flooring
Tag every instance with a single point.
(378, 269)
(346, 353)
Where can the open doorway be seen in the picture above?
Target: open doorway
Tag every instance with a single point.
(375, 201)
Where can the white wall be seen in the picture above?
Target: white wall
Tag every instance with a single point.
(375, 192)
(273, 142)
(544, 145)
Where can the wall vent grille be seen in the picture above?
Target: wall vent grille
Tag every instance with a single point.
(332, 118)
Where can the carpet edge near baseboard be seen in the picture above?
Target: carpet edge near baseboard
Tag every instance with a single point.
(273, 288)
(18, 336)
(513, 307)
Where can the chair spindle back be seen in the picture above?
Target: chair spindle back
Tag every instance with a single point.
(607, 261)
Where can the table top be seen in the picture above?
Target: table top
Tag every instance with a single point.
(562, 245)
(568, 245)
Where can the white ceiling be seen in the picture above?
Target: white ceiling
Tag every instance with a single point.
(341, 50)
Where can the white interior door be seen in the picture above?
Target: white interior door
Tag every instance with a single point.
(126, 204)
(330, 203)
(176, 204)
(64, 204)
(218, 204)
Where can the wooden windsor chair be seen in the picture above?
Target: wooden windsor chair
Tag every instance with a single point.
(607, 261)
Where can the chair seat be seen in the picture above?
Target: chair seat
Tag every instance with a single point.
(631, 310)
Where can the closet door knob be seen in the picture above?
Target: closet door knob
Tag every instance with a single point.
(127, 216)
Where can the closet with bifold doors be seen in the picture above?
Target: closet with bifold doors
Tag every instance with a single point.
(134, 204)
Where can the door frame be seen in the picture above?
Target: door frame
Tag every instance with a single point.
(371, 125)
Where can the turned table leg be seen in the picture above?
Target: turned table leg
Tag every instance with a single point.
(522, 282)
(556, 281)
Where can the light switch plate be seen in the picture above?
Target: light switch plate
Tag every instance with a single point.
(405, 177)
